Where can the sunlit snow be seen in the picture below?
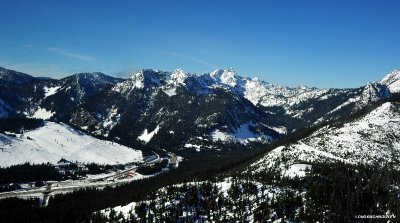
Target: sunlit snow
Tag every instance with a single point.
(147, 136)
(42, 113)
(50, 91)
(298, 170)
(54, 141)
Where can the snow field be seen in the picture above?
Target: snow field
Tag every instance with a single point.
(54, 141)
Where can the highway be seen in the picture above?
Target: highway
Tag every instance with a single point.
(57, 187)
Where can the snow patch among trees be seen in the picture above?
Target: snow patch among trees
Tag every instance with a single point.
(42, 113)
(50, 90)
(297, 170)
(147, 136)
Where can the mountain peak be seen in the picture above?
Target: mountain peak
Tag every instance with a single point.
(228, 77)
(302, 87)
(392, 81)
(89, 75)
(179, 76)
(374, 91)
(140, 72)
(144, 78)
(91, 79)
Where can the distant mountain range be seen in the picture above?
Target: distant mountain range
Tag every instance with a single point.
(182, 110)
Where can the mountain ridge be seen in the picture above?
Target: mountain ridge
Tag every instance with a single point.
(152, 99)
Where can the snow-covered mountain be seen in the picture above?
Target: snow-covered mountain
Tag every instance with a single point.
(61, 97)
(172, 109)
(181, 109)
(24, 95)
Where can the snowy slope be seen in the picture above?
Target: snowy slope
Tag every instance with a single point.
(371, 139)
(54, 141)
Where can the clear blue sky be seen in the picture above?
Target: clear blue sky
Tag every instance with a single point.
(317, 43)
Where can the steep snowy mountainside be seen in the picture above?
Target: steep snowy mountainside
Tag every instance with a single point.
(370, 139)
(373, 92)
(53, 141)
(334, 103)
(294, 107)
(319, 105)
(392, 81)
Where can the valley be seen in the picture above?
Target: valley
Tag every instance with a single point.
(111, 178)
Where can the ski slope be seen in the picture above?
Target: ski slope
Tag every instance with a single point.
(54, 141)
